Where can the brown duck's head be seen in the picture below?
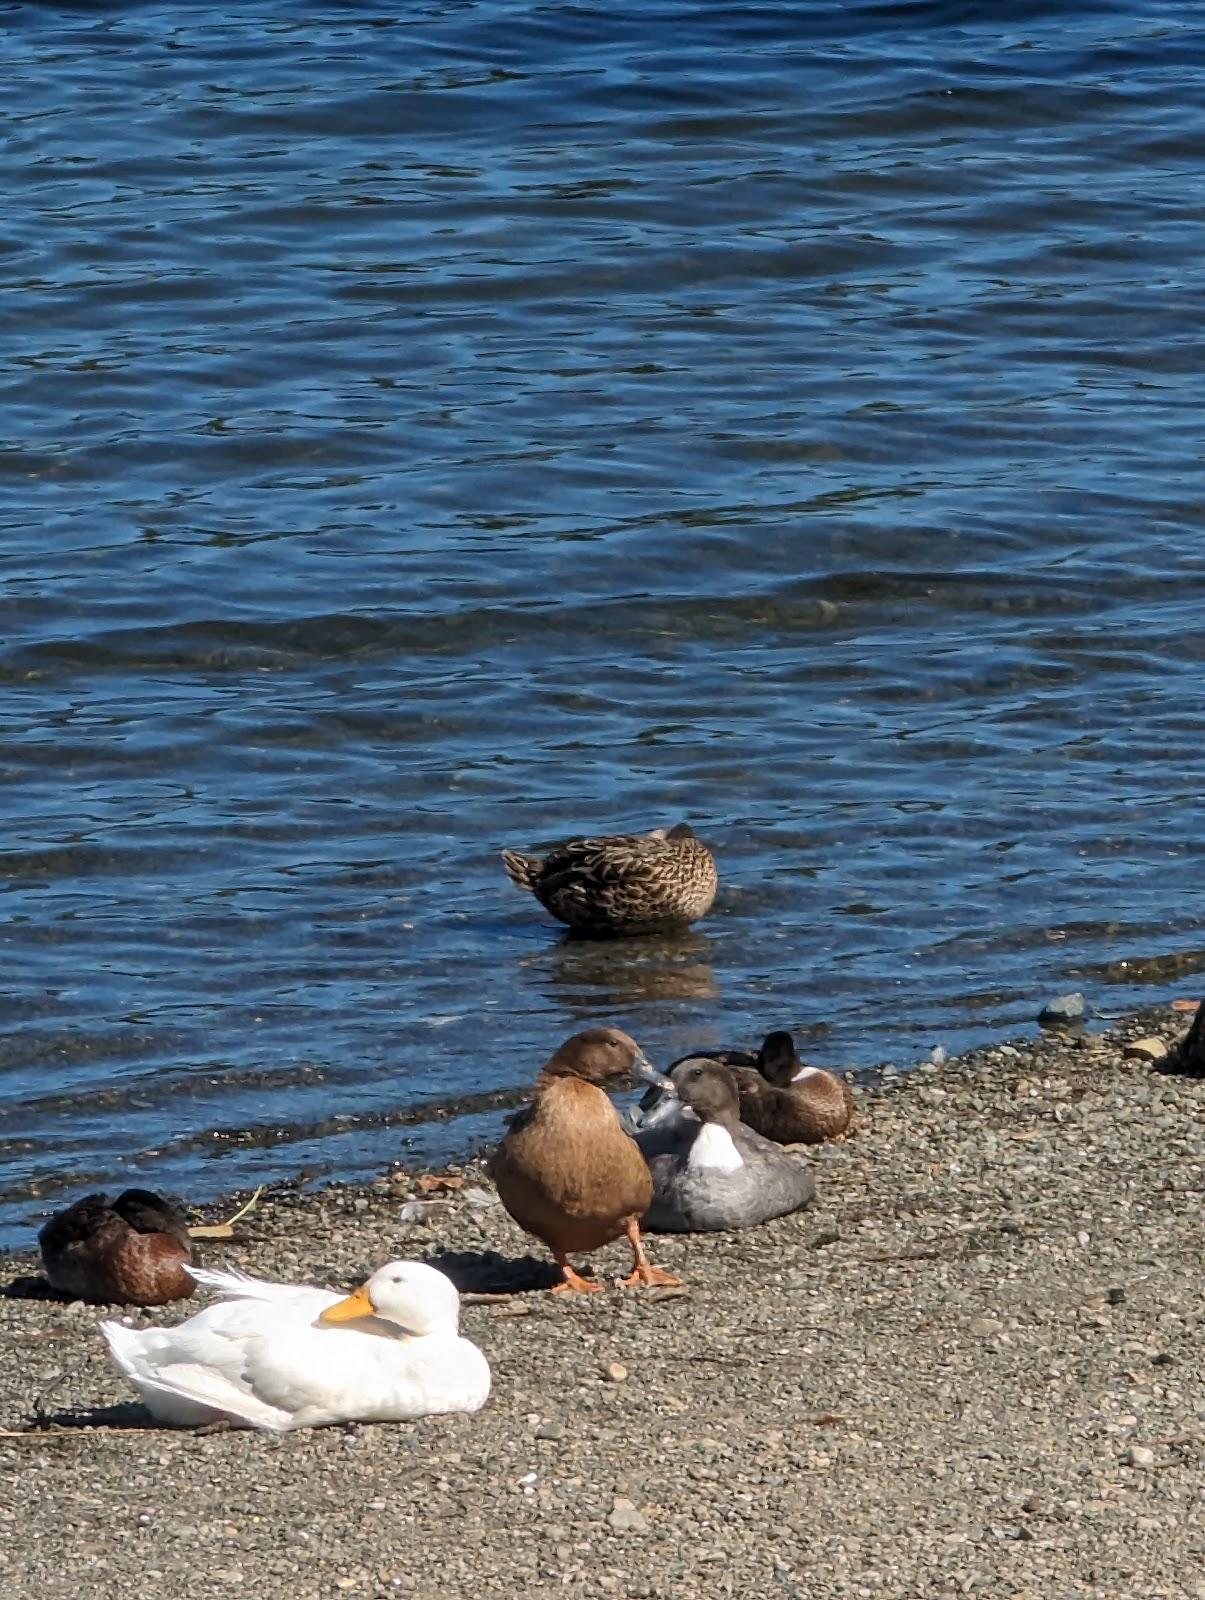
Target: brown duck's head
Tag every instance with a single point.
(147, 1212)
(777, 1060)
(680, 830)
(605, 1057)
(708, 1088)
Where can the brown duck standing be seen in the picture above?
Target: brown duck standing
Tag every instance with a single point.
(131, 1251)
(622, 883)
(784, 1100)
(566, 1170)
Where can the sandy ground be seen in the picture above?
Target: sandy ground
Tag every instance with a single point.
(973, 1366)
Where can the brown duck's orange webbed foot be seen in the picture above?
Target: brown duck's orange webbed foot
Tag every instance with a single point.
(644, 1275)
(572, 1281)
(647, 1276)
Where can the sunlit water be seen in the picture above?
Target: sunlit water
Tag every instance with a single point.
(426, 432)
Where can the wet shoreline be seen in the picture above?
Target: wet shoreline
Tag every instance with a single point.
(972, 1365)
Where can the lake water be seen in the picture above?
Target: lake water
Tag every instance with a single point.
(435, 427)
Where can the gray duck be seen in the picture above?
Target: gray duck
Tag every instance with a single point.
(131, 1251)
(566, 1170)
(710, 1172)
(621, 883)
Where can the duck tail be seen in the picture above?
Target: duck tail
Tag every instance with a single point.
(522, 870)
(232, 1284)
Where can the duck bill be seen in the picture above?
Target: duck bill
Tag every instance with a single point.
(658, 1108)
(644, 1069)
(347, 1310)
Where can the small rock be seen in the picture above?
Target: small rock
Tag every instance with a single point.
(1139, 1456)
(625, 1518)
(425, 1211)
(1064, 1008)
(1149, 1049)
(982, 1327)
(938, 1055)
(478, 1198)
(615, 1372)
(550, 1430)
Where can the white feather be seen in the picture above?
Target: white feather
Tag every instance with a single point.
(714, 1151)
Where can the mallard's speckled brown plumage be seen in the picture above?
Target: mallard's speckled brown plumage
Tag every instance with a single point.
(781, 1098)
(130, 1251)
(566, 1170)
(621, 883)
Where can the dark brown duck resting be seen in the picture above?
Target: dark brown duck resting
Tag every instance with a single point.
(622, 883)
(129, 1252)
(781, 1098)
(567, 1172)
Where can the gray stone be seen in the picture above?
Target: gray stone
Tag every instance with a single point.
(1064, 1008)
(625, 1518)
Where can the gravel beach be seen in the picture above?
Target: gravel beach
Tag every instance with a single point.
(973, 1365)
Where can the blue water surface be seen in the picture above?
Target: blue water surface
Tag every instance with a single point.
(437, 427)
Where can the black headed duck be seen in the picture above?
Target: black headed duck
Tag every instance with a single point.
(131, 1251)
(622, 883)
(566, 1170)
(784, 1100)
(710, 1171)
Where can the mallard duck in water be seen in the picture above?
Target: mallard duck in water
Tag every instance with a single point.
(710, 1172)
(621, 883)
(784, 1100)
(566, 1170)
(279, 1356)
(132, 1251)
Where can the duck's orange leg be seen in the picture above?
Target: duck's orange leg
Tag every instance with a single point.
(644, 1274)
(572, 1281)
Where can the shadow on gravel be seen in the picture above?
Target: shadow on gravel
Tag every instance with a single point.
(487, 1272)
(129, 1415)
(34, 1288)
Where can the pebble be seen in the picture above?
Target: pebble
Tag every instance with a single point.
(1138, 1455)
(1062, 1009)
(983, 1327)
(1149, 1049)
(615, 1372)
(625, 1518)
(426, 1212)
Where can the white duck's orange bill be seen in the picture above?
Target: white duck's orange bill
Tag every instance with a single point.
(347, 1310)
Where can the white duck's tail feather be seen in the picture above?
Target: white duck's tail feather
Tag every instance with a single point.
(185, 1393)
(235, 1285)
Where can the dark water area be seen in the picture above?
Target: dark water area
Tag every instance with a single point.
(441, 427)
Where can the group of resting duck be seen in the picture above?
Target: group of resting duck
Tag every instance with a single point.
(703, 1152)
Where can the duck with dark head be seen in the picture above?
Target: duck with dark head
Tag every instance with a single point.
(711, 1172)
(132, 1251)
(566, 1170)
(784, 1100)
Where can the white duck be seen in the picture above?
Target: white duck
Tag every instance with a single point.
(281, 1355)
